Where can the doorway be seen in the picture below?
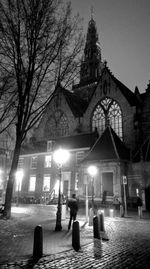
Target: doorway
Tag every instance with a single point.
(107, 183)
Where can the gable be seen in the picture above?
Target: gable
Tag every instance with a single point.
(75, 102)
(106, 86)
(108, 147)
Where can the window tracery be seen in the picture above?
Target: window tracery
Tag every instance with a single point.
(57, 125)
(107, 112)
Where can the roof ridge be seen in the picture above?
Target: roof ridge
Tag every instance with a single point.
(114, 144)
(128, 94)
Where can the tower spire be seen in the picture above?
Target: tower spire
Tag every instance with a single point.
(91, 63)
(92, 12)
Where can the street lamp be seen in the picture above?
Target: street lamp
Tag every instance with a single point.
(19, 176)
(60, 156)
(92, 170)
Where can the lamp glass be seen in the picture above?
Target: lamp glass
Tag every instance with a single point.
(61, 156)
(92, 170)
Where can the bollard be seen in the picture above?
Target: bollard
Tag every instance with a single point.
(76, 235)
(102, 211)
(38, 243)
(103, 234)
(111, 213)
(121, 211)
(101, 221)
(96, 230)
(91, 217)
(140, 212)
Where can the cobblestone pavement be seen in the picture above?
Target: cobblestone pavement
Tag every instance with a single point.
(128, 247)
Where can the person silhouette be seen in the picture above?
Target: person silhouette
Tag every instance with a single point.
(73, 205)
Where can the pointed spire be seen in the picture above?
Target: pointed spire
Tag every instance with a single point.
(136, 91)
(91, 64)
(92, 12)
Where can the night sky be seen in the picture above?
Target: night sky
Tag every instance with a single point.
(124, 34)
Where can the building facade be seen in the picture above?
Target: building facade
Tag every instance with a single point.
(100, 122)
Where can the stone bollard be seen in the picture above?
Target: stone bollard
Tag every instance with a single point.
(121, 211)
(101, 222)
(111, 213)
(38, 243)
(76, 235)
(91, 217)
(96, 230)
(140, 212)
(103, 234)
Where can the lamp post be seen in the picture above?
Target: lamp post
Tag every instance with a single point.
(92, 170)
(124, 189)
(19, 176)
(60, 156)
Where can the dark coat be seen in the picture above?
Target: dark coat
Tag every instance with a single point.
(73, 205)
(139, 201)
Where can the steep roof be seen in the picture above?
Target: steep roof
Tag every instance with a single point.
(69, 142)
(76, 104)
(78, 141)
(108, 147)
(34, 147)
(128, 94)
(143, 151)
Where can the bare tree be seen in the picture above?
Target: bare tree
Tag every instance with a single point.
(33, 35)
(6, 102)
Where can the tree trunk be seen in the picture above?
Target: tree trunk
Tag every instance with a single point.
(11, 180)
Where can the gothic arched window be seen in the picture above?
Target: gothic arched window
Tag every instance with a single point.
(57, 125)
(107, 112)
(63, 128)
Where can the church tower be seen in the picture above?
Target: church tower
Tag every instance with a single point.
(91, 62)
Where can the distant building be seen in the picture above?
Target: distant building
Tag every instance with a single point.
(101, 122)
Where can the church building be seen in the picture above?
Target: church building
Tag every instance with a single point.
(100, 122)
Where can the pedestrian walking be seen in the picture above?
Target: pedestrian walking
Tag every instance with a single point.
(139, 205)
(139, 201)
(73, 205)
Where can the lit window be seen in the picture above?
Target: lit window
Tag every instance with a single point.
(106, 113)
(79, 156)
(98, 120)
(19, 177)
(34, 162)
(18, 184)
(46, 183)
(32, 183)
(48, 160)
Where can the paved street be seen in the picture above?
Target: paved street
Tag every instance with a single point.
(128, 245)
